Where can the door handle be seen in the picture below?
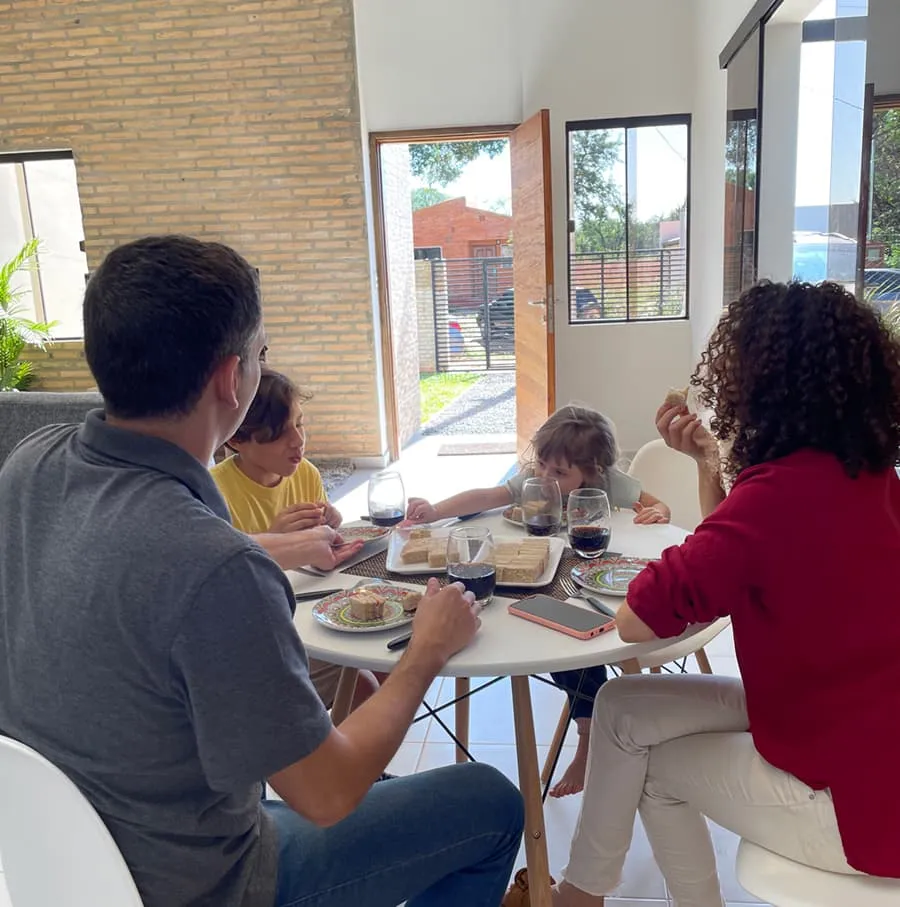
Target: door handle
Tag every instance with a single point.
(541, 302)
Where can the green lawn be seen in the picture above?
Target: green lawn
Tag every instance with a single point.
(441, 388)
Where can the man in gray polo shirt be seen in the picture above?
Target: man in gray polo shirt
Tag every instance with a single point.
(148, 647)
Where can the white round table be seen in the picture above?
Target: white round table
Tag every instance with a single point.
(504, 646)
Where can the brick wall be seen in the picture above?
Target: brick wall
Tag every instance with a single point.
(232, 121)
(458, 229)
(398, 234)
(61, 367)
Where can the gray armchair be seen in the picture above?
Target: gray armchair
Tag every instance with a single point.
(21, 414)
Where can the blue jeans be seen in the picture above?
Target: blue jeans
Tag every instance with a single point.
(443, 838)
(587, 683)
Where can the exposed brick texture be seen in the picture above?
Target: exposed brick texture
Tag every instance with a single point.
(61, 367)
(461, 231)
(237, 121)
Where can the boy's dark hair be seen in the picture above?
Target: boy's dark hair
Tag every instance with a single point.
(793, 366)
(160, 314)
(579, 436)
(270, 409)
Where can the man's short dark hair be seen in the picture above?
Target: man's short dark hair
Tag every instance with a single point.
(160, 314)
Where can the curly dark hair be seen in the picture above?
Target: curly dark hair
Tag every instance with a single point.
(793, 366)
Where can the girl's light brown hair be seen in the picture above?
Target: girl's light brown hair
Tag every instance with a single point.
(271, 408)
(579, 436)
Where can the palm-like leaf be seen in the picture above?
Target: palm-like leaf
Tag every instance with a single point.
(16, 331)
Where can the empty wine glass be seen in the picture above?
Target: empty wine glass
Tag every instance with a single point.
(387, 498)
(542, 506)
(588, 518)
(470, 561)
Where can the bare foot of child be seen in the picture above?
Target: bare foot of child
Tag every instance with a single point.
(572, 781)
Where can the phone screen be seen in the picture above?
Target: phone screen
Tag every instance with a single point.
(563, 613)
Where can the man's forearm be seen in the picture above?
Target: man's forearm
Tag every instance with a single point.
(376, 729)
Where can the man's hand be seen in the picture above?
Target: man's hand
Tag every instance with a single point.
(684, 432)
(299, 516)
(332, 516)
(328, 550)
(655, 513)
(420, 511)
(446, 622)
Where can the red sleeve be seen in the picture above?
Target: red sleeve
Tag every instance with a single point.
(711, 574)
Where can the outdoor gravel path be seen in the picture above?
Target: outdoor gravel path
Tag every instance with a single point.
(487, 407)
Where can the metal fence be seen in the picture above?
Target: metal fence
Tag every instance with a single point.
(473, 314)
(628, 285)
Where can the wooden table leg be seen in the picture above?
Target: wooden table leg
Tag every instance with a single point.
(631, 666)
(461, 724)
(343, 698)
(530, 785)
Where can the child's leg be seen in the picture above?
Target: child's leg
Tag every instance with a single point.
(572, 781)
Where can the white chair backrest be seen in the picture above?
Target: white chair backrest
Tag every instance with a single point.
(671, 477)
(54, 846)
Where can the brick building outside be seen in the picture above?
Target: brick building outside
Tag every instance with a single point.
(460, 231)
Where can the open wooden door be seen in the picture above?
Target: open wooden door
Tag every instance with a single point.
(533, 276)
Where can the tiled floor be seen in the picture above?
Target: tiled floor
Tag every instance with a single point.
(491, 727)
(491, 740)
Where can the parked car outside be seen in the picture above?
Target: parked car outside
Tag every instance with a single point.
(501, 314)
(882, 287)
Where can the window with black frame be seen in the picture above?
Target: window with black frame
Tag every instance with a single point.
(742, 168)
(39, 204)
(628, 219)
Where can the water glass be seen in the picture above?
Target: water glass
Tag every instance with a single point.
(588, 518)
(542, 506)
(470, 561)
(387, 498)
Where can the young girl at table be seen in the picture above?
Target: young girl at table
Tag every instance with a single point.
(270, 487)
(577, 447)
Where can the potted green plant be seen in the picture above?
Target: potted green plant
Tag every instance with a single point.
(17, 331)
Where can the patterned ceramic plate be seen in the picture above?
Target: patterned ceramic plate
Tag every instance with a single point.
(609, 576)
(366, 533)
(334, 611)
(514, 515)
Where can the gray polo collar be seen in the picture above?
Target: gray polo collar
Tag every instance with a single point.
(152, 453)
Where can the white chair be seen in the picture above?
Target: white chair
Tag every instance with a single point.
(56, 850)
(671, 477)
(784, 883)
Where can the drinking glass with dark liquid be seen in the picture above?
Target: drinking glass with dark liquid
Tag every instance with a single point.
(588, 518)
(470, 561)
(387, 498)
(542, 506)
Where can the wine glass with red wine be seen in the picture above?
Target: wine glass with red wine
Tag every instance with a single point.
(387, 498)
(470, 561)
(588, 518)
(542, 506)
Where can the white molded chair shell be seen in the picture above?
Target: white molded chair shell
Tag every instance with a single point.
(684, 647)
(671, 477)
(55, 848)
(784, 883)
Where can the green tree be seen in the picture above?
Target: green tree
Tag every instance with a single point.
(740, 152)
(885, 214)
(424, 197)
(599, 207)
(440, 163)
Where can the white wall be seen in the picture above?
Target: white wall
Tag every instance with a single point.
(471, 62)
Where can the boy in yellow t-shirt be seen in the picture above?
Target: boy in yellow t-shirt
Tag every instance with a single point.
(269, 487)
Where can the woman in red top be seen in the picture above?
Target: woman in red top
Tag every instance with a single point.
(804, 555)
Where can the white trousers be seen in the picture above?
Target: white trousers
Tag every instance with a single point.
(676, 748)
